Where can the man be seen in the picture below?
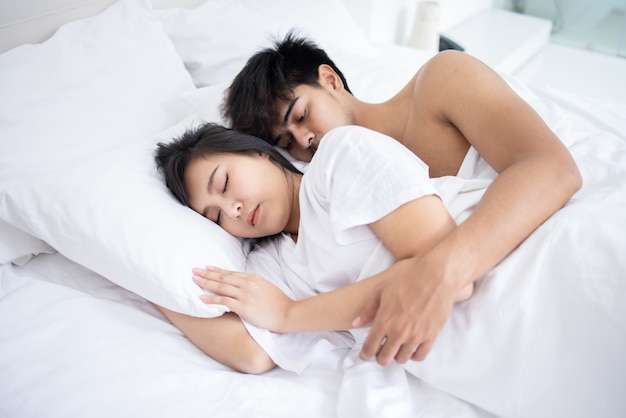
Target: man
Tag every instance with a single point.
(292, 94)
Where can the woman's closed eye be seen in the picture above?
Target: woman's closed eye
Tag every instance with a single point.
(209, 214)
(224, 188)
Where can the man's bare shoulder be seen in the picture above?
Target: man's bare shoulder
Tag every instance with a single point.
(421, 121)
(452, 84)
(446, 71)
(446, 61)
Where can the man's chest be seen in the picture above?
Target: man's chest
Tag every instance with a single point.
(439, 144)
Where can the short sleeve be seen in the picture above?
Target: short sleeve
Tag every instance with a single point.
(366, 176)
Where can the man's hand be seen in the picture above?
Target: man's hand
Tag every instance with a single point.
(407, 312)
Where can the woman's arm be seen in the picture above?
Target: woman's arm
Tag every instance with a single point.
(408, 232)
(225, 339)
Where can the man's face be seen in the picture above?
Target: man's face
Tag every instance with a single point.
(305, 119)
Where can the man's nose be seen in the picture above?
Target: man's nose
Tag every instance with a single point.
(304, 137)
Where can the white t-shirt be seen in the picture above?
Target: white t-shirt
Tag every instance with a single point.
(357, 177)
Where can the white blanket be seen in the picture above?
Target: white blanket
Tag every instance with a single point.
(544, 335)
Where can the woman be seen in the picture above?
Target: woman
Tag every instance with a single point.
(322, 227)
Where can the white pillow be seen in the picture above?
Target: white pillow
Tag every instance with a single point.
(113, 214)
(18, 247)
(205, 102)
(216, 38)
(78, 119)
(97, 83)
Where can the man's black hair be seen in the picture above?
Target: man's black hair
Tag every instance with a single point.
(270, 76)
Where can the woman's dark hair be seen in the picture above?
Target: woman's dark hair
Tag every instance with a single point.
(269, 76)
(209, 139)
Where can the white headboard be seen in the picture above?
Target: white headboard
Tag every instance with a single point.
(34, 21)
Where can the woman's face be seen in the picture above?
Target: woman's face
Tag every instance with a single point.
(248, 196)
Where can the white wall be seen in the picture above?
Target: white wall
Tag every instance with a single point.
(390, 21)
(573, 10)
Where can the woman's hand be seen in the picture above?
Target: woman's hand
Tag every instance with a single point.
(250, 296)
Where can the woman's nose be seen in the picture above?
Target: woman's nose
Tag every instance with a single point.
(234, 209)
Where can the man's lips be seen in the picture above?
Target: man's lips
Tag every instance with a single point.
(253, 217)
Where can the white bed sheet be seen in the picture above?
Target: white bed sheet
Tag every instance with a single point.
(75, 345)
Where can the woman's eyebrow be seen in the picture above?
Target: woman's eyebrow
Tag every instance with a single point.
(209, 189)
(210, 184)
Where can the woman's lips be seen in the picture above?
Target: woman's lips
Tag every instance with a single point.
(253, 217)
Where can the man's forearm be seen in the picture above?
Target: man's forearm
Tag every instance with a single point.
(518, 201)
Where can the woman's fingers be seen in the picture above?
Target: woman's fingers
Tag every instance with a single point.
(222, 293)
(217, 270)
(230, 288)
(219, 300)
(232, 278)
(223, 282)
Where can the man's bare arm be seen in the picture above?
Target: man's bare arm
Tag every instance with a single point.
(537, 176)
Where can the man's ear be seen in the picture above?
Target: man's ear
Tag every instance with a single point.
(326, 76)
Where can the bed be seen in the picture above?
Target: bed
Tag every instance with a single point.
(89, 235)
